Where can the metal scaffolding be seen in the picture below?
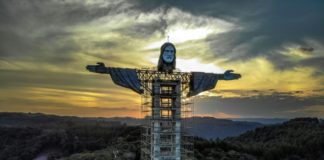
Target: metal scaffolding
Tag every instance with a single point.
(165, 108)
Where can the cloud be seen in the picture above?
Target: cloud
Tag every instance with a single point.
(273, 31)
(313, 110)
(261, 74)
(233, 93)
(276, 104)
(269, 32)
(62, 90)
(52, 107)
(45, 45)
(265, 28)
(47, 31)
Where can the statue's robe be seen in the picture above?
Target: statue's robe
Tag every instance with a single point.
(128, 78)
(201, 82)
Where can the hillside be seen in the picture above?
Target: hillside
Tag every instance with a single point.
(29, 136)
(300, 138)
(73, 138)
(211, 128)
(205, 127)
(45, 121)
(264, 121)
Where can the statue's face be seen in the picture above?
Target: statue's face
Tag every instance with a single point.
(168, 54)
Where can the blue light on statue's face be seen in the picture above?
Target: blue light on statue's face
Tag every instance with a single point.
(168, 54)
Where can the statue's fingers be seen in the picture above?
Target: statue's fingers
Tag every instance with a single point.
(238, 76)
(101, 64)
(91, 68)
(229, 71)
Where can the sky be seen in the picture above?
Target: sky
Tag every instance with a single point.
(277, 46)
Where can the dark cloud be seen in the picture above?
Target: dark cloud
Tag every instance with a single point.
(267, 33)
(39, 29)
(216, 8)
(282, 61)
(62, 93)
(41, 33)
(106, 44)
(32, 13)
(265, 26)
(13, 44)
(277, 104)
(16, 79)
(36, 105)
(315, 62)
(306, 49)
(145, 30)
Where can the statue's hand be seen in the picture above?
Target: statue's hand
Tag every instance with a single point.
(228, 75)
(100, 68)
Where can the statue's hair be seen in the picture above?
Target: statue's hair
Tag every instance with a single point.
(166, 44)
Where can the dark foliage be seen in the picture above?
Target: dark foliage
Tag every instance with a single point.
(300, 138)
(73, 138)
(62, 137)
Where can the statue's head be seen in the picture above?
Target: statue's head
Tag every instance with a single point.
(167, 59)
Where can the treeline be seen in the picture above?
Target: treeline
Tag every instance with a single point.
(44, 121)
(297, 139)
(26, 143)
(300, 138)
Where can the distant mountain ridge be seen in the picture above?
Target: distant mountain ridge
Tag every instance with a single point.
(31, 136)
(211, 128)
(296, 139)
(45, 121)
(264, 121)
(299, 138)
(205, 127)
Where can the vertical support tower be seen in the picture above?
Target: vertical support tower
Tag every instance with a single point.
(164, 135)
(166, 120)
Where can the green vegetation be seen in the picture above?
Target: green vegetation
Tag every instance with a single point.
(24, 136)
(73, 138)
(300, 138)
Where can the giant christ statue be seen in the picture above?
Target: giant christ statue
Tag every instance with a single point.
(163, 136)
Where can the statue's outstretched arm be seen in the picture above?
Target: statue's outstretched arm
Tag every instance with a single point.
(200, 81)
(124, 77)
(229, 75)
(99, 68)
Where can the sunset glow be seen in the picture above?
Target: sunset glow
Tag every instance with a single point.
(46, 45)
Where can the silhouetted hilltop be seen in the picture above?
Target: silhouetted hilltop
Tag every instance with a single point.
(306, 121)
(205, 127)
(264, 121)
(300, 138)
(45, 121)
(209, 127)
(27, 136)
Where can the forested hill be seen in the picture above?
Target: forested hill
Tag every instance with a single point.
(73, 138)
(300, 138)
(297, 139)
(212, 128)
(41, 137)
(205, 127)
(44, 121)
